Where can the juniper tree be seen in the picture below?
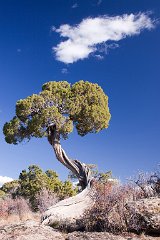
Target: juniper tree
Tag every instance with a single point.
(54, 111)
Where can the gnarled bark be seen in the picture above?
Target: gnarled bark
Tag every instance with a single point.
(82, 172)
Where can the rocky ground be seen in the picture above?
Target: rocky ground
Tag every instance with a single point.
(29, 230)
(32, 230)
(30, 227)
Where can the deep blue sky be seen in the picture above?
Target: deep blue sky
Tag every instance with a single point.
(129, 75)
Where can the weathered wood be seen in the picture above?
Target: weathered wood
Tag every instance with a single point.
(70, 210)
(82, 172)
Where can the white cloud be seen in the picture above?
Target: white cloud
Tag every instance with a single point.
(91, 33)
(4, 179)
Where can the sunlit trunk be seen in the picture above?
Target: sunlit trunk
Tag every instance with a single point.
(82, 172)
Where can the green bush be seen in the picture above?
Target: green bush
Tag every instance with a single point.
(33, 181)
(2, 194)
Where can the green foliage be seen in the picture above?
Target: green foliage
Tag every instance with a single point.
(2, 194)
(83, 105)
(89, 108)
(33, 181)
(53, 182)
(67, 189)
(11, 187)
(12, 131)
(103, 177)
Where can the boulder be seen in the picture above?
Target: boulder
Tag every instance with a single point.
(144, 215)
(67, 213)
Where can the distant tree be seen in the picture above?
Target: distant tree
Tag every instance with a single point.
(32, 182)
(11, 187)
(53, 182)
(35, 182)
(68, 189)
(52, 114)
(2, 193)
(105, 176)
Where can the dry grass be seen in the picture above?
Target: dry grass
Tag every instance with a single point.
(15, 210)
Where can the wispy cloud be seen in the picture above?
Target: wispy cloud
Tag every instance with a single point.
(19, 50)
(99, 57)
(105, 47)
(99, 2)
(75, 5)
(64, 70)
(91, 34)
(4, 179)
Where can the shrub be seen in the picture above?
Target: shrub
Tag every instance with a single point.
(45, 199)
(11, 188)
(14, 207)
(2, 193)
(110, 212)
(107, 213)
(32, 182)
(148, 183)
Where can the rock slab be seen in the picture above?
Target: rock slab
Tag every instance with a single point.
(67, 212)
(145, 215)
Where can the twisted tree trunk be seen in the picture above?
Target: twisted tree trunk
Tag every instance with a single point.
(82, 172)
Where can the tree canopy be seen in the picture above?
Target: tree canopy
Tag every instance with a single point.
(83, 105)
(53, 113)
